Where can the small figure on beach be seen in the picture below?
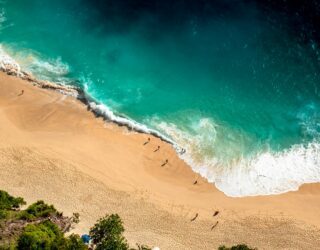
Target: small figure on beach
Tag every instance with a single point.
(165, 163)
(158, 148)
(196, 182)
(195, 217)
(215, 213)
(182, 151)
(214, 225)
(22, 92)
(146, 141)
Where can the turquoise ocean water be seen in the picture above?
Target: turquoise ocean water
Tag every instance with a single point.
(237, 85)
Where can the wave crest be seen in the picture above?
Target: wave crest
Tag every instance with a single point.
(265, 173)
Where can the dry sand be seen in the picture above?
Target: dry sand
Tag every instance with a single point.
(53, 148)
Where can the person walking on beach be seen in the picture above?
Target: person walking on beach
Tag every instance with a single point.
(195, 217)
(22, 91)
(214, 225)
(158, 148)
(165, 163)
(146, 141)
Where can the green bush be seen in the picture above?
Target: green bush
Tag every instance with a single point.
(44, 236)
(3, 214)
(38, 210)
(47, 236)
(73, 242)
(237, 247)
(8, 202)
(107, 233)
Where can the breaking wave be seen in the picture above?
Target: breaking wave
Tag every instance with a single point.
(264, 173)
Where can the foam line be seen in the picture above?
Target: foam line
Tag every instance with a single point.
(266, 173)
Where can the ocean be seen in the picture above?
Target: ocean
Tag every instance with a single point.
(235, 83)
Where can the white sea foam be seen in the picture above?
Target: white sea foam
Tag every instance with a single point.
(272, 173)
(50, 68)
(266, 173)
(106, 112)
(54, 68)
(7, 62)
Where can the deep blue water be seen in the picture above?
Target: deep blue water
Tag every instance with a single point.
(235, 83)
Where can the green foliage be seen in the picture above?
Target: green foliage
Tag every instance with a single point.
(3, 214)
(107, 233)
(237, 247)
(47, 236)
(36, 231)
(37, 234)
(73, 242)
(75, 218)
(38, 210)
(44, 236)
(8, 202)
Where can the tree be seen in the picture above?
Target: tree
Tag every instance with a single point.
(8, 202)
(45, 236)
(73, 242)
(107, 233)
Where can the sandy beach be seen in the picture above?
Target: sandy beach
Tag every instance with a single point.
(53, 148)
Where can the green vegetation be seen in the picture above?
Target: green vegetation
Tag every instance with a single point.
(107, 234)
(237, 247)
(41, 227)
(8, 202)
(46, 236)
(74, 242)
(38, 210)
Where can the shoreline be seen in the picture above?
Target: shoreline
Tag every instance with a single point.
(9, 66)
(52, 148)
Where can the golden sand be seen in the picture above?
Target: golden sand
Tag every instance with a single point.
(53, 148)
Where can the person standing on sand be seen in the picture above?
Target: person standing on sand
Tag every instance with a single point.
(158, 148)
(214, 225)
(195, 217)
(165, 163)
(215, 213)
(147, 141)
(22, 92)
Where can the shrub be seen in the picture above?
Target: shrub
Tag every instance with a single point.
(38, 210)
(74, 242)
(237, 247)
(3, 214)
(107, 233)
(47, 236)
(8, 202)
(44, 236)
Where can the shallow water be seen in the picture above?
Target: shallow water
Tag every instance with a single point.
(235, 83)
